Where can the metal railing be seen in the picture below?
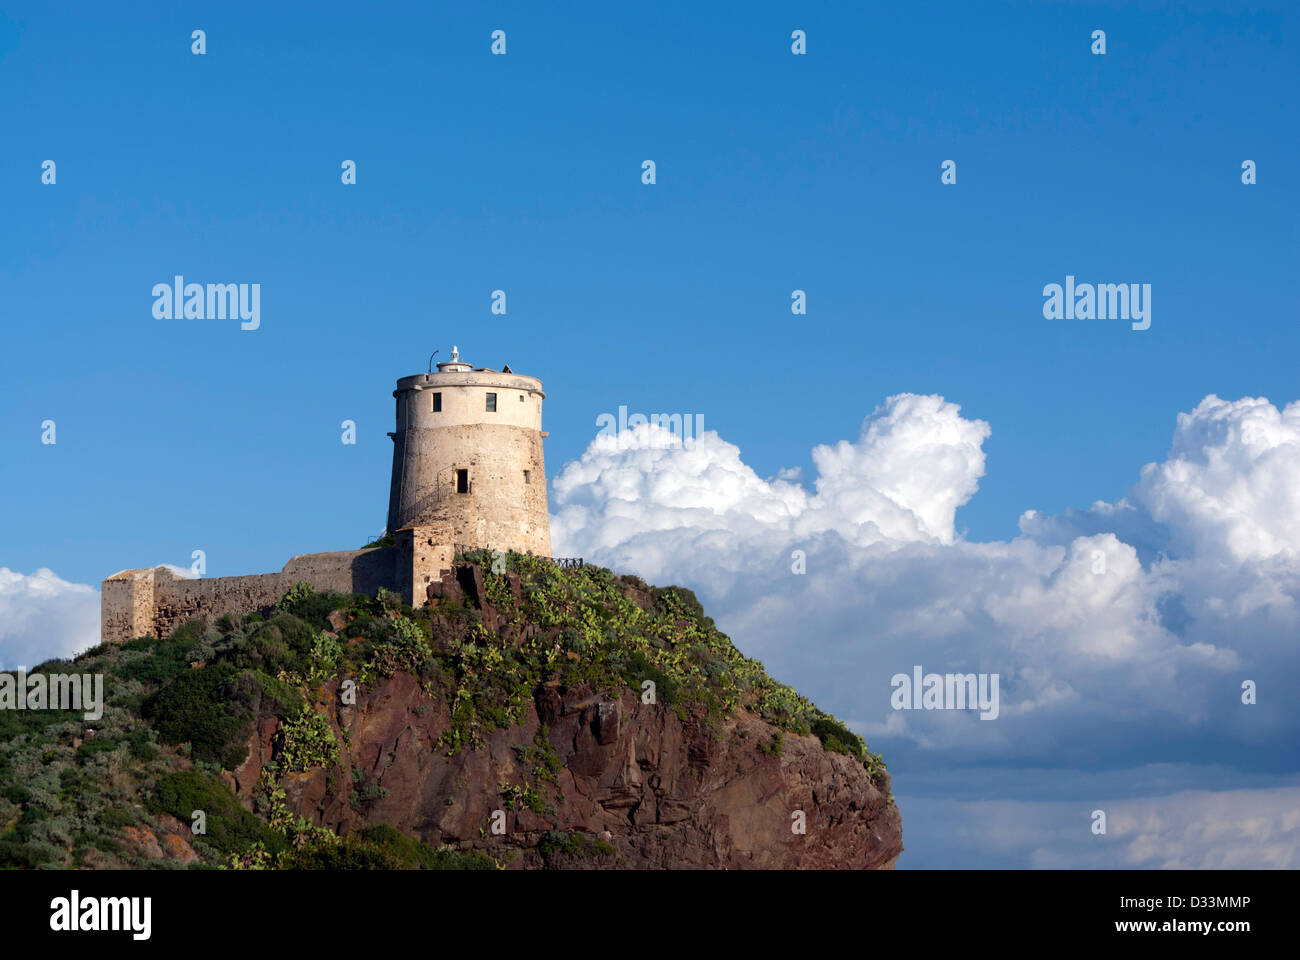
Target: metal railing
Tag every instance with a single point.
(564, 563)
(417, 509)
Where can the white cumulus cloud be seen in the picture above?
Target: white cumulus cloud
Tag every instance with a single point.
(1125, 628)
(43, 617)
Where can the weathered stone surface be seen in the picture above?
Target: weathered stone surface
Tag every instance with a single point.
(153, 603)
(607, 722)
(143, 841)
(175, 839)
(262, 749)
(497, 448)
(667, 793)
(447, 588)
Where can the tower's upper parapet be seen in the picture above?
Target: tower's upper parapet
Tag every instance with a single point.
(461, 394)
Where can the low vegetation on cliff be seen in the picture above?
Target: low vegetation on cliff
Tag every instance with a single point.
(182, 711)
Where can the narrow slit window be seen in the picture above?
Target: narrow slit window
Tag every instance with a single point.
(528, 476)
(491, 403)
(462, 481)
(437, 403)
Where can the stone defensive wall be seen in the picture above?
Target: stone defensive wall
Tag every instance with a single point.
(152, 603)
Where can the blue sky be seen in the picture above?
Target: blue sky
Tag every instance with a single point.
(522, 172)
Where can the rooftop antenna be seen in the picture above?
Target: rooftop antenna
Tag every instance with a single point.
(431, 356)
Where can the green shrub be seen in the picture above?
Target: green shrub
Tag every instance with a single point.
(413, 853)
(838, 738)
(114, 818)
(366, 794)
(380, 847)
(681, 599)
(540, 759)
(17, 794)
(141, 744)
(17, 854)
(230, 828)
(522, 796)
(283, 643)
(573, 844)
(195, 707)
(397, 644)
(636, 668)
(166, 658)
(268, 695)
(308, 742)
(303, 602)
(104, 743)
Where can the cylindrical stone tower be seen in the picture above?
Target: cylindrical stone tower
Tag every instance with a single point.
(467, 455)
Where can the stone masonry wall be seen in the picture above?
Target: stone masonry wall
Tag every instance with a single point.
(431, 551)
(155, 602)
(126, 605)
(503, 509)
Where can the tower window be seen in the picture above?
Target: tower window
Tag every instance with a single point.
(528, 476)
(437, 403)
(462, 481)
(491, 403)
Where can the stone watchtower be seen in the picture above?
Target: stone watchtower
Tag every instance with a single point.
(467, 471)
(467, 458)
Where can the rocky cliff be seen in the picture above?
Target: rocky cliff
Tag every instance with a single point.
(528, 718)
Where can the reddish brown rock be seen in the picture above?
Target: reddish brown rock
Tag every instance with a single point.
(262, 749)
(143, 842)
(447, 588)
(175, 842)
(663, 791)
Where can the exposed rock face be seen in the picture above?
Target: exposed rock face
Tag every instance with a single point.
(661, 790)
(173, 845)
